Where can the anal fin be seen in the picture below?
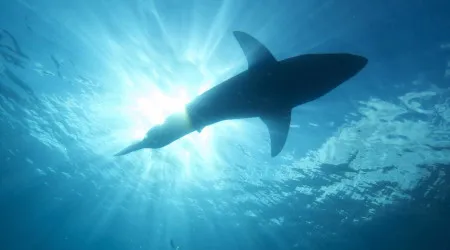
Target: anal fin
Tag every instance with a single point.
(278, 124)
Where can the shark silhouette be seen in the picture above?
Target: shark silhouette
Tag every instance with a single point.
(268, 89)
(174, 247)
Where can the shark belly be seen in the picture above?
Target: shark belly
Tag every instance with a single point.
(223, 102)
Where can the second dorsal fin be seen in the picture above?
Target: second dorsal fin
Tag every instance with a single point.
(257, 54)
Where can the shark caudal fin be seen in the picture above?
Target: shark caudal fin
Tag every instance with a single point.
(133, 147)
(256, 53)
(278, 125)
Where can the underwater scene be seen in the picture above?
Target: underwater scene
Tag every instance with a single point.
(224, 124)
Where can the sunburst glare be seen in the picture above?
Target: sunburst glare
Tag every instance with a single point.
(144, 104)
(151, 71)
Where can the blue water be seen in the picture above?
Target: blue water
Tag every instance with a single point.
(365, 167)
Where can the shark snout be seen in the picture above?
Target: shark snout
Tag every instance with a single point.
(357, 62)
(349, 65)
(362, 61)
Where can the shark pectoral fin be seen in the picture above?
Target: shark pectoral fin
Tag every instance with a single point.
(255, 52)
(278, 125)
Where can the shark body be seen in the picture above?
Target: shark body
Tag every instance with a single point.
(268, 89)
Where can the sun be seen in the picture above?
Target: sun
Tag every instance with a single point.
(150, 108)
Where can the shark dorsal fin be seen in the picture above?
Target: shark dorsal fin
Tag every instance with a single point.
(257, 54)
(278, 124)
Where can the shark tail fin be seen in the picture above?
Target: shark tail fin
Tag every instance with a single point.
(133, 147)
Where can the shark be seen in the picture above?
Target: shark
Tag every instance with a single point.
(269, 89)
(174, 247)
